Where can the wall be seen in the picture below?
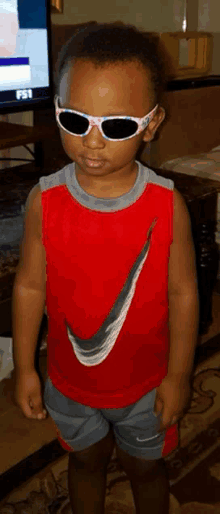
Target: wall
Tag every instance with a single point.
(208, 20)
(208, 16)
(159, 15)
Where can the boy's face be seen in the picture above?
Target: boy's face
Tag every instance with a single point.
(123, 89)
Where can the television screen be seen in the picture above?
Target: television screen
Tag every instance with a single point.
(25, 58)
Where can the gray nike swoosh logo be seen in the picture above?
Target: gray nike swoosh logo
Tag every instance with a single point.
(93, 351)
(148, 439)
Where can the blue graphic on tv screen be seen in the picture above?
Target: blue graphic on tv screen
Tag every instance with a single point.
(11, 61)
(32, 14)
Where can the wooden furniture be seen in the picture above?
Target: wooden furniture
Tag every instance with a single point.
(190, 52)
(13, 134)
(192, 123)
(56, 6)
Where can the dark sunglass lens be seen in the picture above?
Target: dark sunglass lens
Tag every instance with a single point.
(119, 129)
(73, 122)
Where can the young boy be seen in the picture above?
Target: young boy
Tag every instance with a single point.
(108, 246)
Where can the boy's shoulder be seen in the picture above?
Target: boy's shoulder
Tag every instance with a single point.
(33, 201)
(157, 179)
(55, 179)
(34, 198)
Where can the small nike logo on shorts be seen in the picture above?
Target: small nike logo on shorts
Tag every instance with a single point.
(148, 439)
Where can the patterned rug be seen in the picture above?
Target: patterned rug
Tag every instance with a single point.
(38, 485)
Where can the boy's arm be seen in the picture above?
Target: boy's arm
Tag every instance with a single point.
(29, 291)
(183, 294)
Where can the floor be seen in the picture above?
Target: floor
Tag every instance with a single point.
(20, 437)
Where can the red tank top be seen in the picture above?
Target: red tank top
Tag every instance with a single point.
(107, 288)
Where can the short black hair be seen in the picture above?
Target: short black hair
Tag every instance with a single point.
(108, 43)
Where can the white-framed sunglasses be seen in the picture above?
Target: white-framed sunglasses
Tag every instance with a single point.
(112, 128)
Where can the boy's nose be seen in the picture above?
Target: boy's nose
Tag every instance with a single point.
(94, 138)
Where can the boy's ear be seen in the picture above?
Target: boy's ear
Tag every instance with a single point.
(154, 124)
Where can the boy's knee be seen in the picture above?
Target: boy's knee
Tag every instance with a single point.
(148, 471)
(95, 456)
(137, 467)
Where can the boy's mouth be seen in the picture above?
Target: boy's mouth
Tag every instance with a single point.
(92, 163)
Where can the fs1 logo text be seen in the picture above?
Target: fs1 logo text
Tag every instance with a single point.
(24, 94)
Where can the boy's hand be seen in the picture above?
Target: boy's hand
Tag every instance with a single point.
(173, 398)
(28, 395)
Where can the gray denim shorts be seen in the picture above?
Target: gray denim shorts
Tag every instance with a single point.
(79, 426)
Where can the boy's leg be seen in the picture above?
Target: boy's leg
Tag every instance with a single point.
(87, 474)
(149, 483)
